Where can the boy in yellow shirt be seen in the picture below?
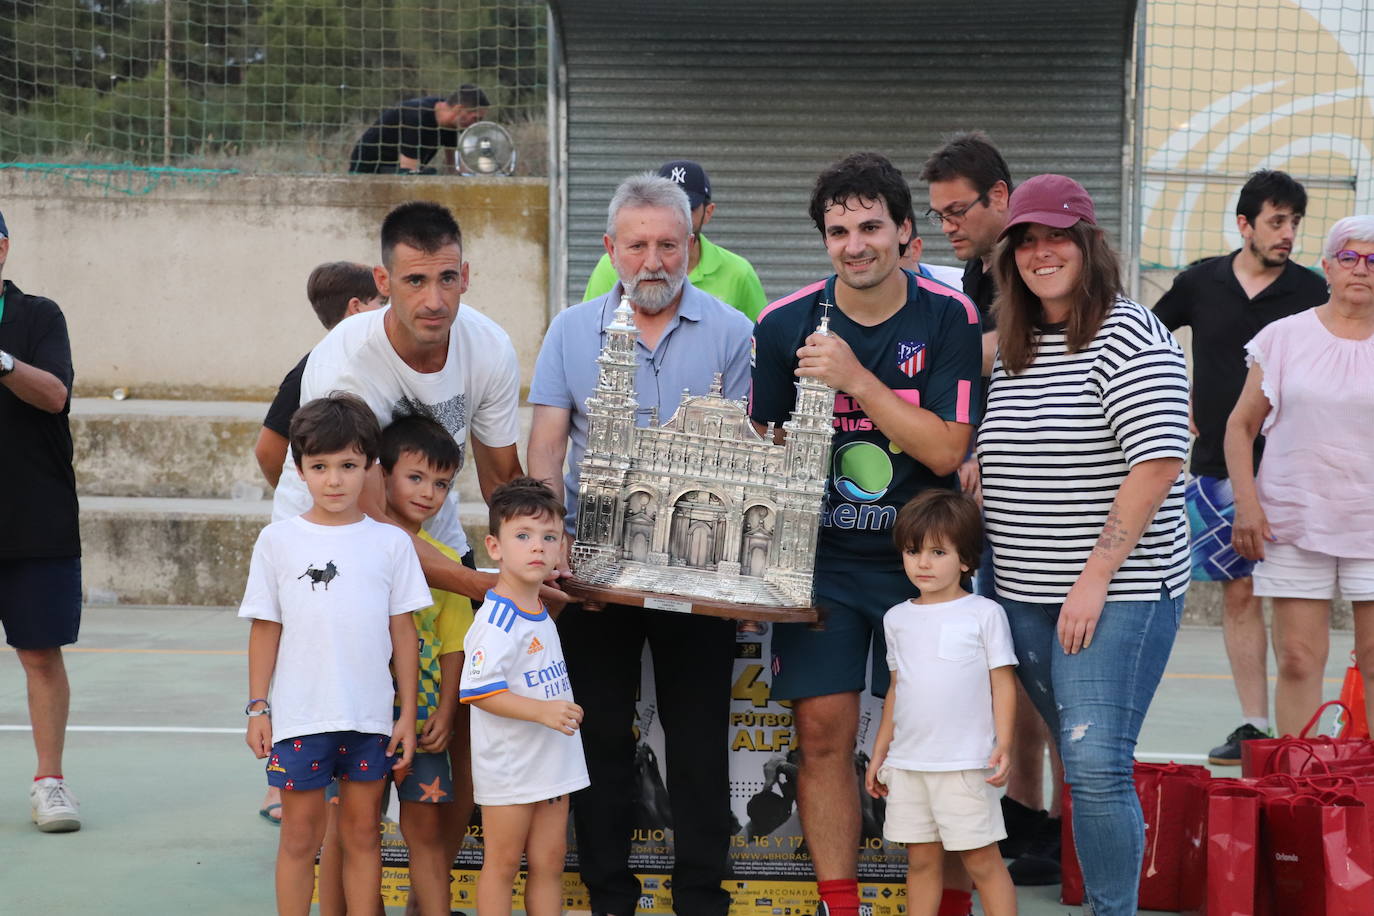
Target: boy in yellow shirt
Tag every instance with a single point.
(419, 460)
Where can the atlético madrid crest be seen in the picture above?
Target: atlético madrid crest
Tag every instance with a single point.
(911, 357)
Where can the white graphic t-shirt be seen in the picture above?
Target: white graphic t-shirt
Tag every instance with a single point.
(477, 391)
(515, 762)
(333, 589)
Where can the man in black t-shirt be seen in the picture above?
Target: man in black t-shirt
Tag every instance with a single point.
(406, 137)
(40, 544)
(1226, 301)
(335, 290)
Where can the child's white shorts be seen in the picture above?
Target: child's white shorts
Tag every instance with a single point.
(1289, 571)
(956, 809)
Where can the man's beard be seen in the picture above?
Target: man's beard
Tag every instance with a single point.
(653, 299)
(1281, 260)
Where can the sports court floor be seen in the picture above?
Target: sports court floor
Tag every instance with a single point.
(169, 792)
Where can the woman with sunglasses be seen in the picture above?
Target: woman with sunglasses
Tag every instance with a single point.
(1082, 451)
(1309, 517)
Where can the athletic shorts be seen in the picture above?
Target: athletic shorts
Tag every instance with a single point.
(1289, 571)
(429, 781)
(1211, 510)
(312, 761)
(834, 656)
(957, 809)
(40, 601)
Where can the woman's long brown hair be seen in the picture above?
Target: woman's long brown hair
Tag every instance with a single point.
(1018, 310)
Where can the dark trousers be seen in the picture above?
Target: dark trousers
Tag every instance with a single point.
(693, 661)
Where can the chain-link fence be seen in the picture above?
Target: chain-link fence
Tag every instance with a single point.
(1236, 85)
(266, 86)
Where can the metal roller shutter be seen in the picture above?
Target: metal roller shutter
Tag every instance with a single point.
(766, 93)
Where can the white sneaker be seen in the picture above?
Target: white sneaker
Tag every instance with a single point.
(54, 806)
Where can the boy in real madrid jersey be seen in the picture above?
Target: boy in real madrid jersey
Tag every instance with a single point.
(526, 749)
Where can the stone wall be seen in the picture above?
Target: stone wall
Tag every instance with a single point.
(196, 288)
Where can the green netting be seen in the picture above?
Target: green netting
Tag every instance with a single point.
(1236, 85)
(264, 86)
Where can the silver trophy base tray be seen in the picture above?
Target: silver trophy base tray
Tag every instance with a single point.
(685, 604)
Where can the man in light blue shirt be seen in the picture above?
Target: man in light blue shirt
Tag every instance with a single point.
(686, 338)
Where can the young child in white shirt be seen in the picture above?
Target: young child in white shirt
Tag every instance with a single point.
(945, 738)
(526, 748)
(330, 594)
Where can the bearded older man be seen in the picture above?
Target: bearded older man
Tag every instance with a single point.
(686, 337)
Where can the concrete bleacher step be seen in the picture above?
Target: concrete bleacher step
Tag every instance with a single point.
(199, 449)
(150, 550)
(172, 499)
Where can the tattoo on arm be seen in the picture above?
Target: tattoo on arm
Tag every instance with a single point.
(1114, 535)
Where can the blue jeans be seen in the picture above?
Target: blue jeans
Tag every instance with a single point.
(1094, 704)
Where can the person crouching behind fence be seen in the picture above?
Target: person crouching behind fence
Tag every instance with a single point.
(526, 747)
(330, 593)
(945, 737)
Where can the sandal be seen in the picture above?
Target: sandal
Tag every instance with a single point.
(271, 814)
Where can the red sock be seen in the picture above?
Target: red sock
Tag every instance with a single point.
(955, 903)
(48, 776)
(841, 898)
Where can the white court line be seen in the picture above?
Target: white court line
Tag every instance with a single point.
(161, 729)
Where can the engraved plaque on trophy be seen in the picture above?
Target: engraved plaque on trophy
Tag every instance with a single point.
(699, 514)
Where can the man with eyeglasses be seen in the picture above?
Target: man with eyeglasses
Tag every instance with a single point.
(1226, 301)
(970, 187)
(710, 268)
(686, 338)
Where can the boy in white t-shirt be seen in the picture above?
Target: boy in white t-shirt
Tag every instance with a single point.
(526, 749)
(948, 716)
(330, 593)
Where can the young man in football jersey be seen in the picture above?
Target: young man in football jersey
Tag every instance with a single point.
(904, 354)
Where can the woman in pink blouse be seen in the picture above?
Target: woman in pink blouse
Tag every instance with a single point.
(1309, 517)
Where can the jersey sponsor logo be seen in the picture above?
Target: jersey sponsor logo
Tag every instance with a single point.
(535, 646)
(553, 679)
(911, 357)
(477, 662)
(844, 419)
(862, 472)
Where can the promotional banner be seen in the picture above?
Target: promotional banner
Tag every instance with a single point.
(771, 869)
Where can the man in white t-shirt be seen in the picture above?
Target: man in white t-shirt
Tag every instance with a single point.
(425, 354)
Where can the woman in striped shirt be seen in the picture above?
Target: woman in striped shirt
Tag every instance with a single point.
(1082, 449)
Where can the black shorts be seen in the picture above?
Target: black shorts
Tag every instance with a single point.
(40, 601)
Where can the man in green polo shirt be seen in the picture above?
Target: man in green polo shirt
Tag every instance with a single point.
(722, 273)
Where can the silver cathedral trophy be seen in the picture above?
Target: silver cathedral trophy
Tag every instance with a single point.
(700, 514)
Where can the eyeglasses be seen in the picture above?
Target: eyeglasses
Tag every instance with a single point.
(954, 215)
(1348, 259)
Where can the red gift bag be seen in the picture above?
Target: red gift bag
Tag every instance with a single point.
(1219, 870)
(1163, 792)
(1353, 722)
(1317, 856)
(1255, 755)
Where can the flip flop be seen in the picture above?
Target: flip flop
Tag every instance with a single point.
(271, 814)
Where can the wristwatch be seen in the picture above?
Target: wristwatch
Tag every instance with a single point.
(6, 363)
(265, 711)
